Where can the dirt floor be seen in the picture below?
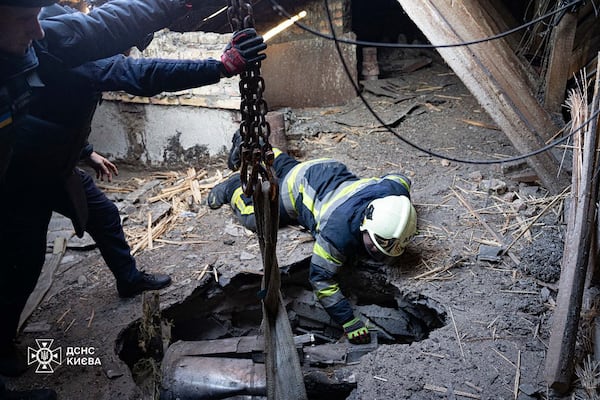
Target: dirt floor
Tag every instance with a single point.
(496, 311)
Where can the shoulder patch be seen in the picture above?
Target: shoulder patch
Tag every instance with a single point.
(5, 119)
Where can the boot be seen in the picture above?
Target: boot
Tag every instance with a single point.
(235, 159)
(142, 283)
(12, 361)
(222, 193)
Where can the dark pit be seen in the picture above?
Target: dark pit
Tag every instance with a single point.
(210, 345)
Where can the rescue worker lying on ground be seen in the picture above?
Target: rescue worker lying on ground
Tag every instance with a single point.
(349, 217)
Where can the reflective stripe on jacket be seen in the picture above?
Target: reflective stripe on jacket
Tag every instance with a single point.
(329, 200)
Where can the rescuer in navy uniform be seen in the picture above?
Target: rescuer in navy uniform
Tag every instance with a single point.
(41, 58)
(349, 217)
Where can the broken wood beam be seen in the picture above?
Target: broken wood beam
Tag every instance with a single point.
(45, 279)
(561, 347)
(494, 75)
(563, 37)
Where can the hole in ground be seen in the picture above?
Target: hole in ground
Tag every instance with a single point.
(209, 346)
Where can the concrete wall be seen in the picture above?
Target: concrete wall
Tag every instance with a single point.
(307, 73)
(180, 128)
(158, 135)
(303, 70)
(175, 128)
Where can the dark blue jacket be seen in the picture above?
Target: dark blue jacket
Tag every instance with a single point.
(66, 104)
(71, 40)
(329, 200)
(116, 26)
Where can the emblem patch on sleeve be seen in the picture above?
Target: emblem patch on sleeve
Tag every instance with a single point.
(5, 119)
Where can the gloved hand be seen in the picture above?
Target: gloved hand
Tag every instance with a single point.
(243, 49)
(357, 332)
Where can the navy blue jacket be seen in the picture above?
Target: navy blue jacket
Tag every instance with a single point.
(66, 105)
(329, 200)
(71, 40)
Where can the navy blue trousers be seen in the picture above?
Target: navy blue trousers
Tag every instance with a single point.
(282, 165)
(25, 212)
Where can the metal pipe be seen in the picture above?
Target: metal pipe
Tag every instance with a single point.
(208, 378)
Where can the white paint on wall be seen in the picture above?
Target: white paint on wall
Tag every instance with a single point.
(194, 126)
(141, 130)
(109, 134)
(144, 133)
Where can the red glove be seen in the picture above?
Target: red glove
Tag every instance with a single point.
(243, 49)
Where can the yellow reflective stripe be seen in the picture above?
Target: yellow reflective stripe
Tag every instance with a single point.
(343, 193)
(239, 202)
(276, 152)
(5, 120)
(398, 179)
(406, 185)
(352, 322)
(290, 184)
(321, 252)
(292, 176)
(308, 201)
(328, 291)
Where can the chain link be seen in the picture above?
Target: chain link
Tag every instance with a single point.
(256, 152)
(240, 15)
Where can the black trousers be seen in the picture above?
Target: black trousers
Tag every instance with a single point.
(242, 204)
(25, 212)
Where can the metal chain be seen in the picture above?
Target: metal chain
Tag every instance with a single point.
(256, 152)
(284, 377)
(240, 15)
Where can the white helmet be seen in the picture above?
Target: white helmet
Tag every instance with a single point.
(391, 222)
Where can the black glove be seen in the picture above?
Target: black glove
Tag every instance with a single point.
(243, 49)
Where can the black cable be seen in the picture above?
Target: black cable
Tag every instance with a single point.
(278, 8)
(429, 152)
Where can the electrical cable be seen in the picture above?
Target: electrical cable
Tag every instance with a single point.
(422, 149)
(278, 8)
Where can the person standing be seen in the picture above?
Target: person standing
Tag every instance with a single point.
(70, 112)
(34, 58)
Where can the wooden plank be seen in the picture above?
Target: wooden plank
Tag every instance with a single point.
(494, 75)
(561, 347)
(45, 280)
(284, 374)
(151, 339)
(587, 39)
(502, 17)
(563, 36)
